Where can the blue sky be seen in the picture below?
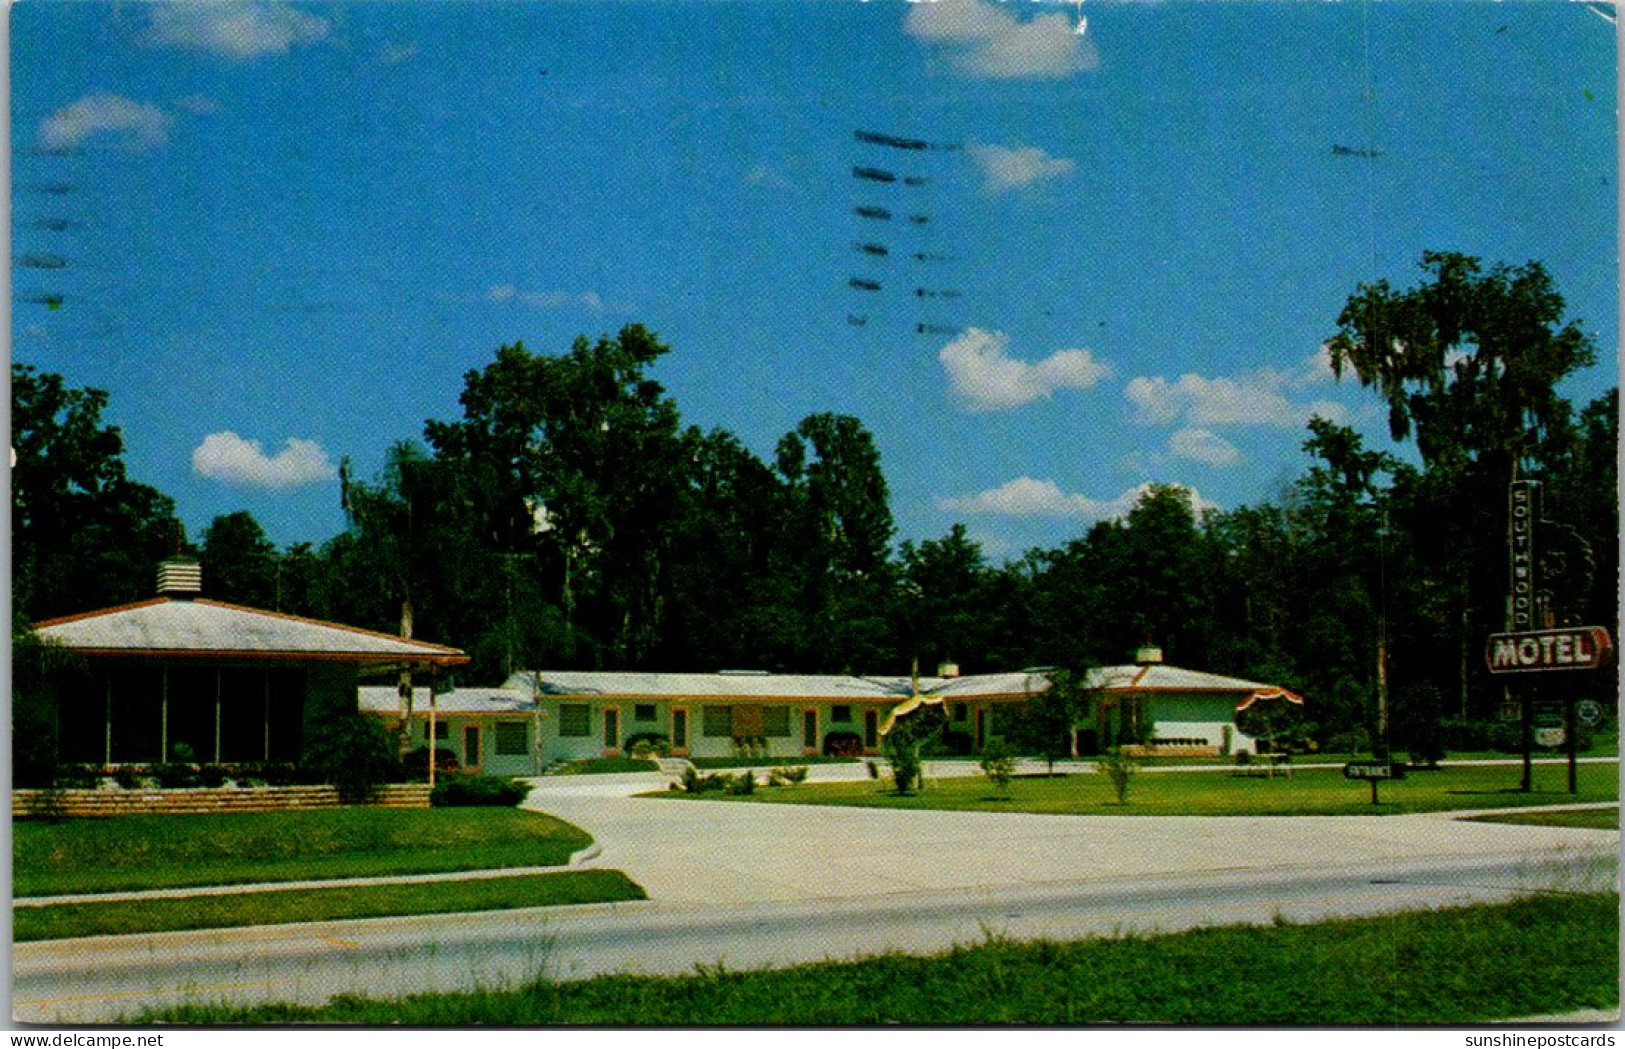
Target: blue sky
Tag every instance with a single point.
(280, 233)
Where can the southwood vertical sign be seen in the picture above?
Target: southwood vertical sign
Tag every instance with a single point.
(1524, 512)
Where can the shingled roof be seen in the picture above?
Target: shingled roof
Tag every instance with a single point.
(172, 628)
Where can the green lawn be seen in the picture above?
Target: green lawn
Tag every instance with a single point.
(1306, 792)
(117, 917)
(148, 852)
(1461, 966)
(1596, 819)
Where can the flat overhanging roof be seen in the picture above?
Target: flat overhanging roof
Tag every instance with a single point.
(193, 629)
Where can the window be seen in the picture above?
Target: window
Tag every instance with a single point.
(575, 719)
(776, 722)
(442, 729)
(513, 737)
(840, 712)
(960, 711)
(717, 722)
(643, 712)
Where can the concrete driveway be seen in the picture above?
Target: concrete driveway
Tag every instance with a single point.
(708, 853)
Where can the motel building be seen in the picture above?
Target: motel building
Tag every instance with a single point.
(239, 686)
(538, 718)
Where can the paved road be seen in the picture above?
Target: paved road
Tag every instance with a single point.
(750, 885)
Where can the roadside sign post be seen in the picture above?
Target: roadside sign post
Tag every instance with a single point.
(1373, 772)
(1549, 651)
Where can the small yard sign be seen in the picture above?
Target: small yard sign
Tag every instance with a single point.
(1373, 772)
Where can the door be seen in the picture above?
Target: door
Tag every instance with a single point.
(978, 730)
(612, 732)
(809, 731)
(871, 729)
(471, 746)
(679, 731)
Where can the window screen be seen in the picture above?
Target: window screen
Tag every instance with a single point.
(776, 722)
(717, 722)
(513, 737)
(575, 719)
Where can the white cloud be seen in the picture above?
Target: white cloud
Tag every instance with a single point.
(549, 300)
(240, 29)
(1029, 497)
(993, 42)
(104, 114)
(987, 378)
(231, 459)
(198, 105)
(1257, 398)
(1203, 446)
(1005, 167)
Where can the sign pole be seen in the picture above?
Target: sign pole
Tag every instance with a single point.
(1569, 742)
(1526, 738)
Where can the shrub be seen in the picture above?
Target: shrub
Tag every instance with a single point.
(843, 745)
(1354, 741)
(1244, 757)
(787, 775)
(353, 752)
(460, 789)
(958, 744)
(647, 744)
(998, 764)
(212, 776)
(695, 783)
(416, 763)
(744, 783)
(77, 777)
(1119, 770)
(1505, 736)
(128, 778)
(175, 776)
(1465, 734)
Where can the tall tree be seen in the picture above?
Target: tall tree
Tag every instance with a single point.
(239, 561)
(835, 546)
(83, 534)
(1468, 361)
(578, 461)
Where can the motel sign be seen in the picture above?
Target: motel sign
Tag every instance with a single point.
(1576, 648)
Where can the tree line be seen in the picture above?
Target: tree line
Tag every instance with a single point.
(569, 518)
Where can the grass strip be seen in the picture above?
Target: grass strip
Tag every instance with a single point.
(173, 850)
(1306, 792)
(1594, 819)
(278, 907)
(1465, 965)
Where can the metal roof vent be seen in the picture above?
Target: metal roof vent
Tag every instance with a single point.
(1148, 655)
(180, 577)
(947, 670)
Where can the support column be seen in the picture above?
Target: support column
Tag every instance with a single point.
(107, 720)
(163, 718)
(266, 696)
(217, 676)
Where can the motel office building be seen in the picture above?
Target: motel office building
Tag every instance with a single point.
(538, 718)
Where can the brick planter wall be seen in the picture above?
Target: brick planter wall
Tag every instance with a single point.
(78, 803)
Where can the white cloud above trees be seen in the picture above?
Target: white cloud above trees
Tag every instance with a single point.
(984, 377)
(1031, 497)
(1258, 398)
(234, 460)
